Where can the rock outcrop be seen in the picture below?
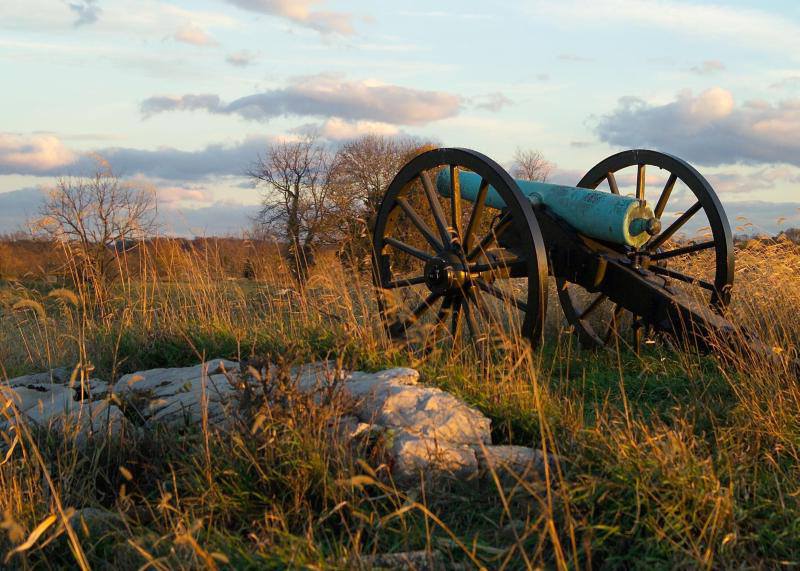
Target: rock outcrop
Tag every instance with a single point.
(180, 395)
(426, 430)
(53, 399)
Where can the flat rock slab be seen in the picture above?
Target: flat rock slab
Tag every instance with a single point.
(181, 395)
(54, 400)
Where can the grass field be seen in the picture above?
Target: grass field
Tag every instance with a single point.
(667, 458)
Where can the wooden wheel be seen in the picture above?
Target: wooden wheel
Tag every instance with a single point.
(692, 252)
(442, 261)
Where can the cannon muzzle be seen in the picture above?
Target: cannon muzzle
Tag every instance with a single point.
(600, 215)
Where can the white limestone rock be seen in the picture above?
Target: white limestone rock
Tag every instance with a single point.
(169, 381)
(426, 430)
(179, 395)
(392, 398)
(518, 459)
(414, 456)
(51, 400)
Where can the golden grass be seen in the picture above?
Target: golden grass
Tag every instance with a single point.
(668, 458)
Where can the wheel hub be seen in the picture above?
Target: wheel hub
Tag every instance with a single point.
(444, 274)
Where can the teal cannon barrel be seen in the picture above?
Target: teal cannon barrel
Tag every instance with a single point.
(600, 215)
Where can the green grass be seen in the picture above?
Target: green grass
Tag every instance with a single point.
(666, 459)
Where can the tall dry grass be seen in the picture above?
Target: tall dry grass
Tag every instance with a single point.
(668, 458)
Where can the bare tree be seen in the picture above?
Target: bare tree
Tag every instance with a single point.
(362, 170)
(365, 166)
(94, 216)
(530, 164)
(296, 206)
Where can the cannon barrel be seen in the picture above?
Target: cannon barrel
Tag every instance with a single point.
(600, 215)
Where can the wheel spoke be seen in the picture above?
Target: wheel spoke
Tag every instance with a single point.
(490, 238)
(446, 309)
(501, 264)
(682, 251)
(682, 277)
(674, 227)
(640, 181)
(398, 326)
(455, 322)
(665, 194)
(476, 216)
(500, 294)
(472, 325)
(420, 224)
(436, 208)
(455, 200)
(592, 306)
(404, 282)
(612, 183)
(410, 250)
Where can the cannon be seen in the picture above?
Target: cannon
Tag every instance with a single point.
(457, 240)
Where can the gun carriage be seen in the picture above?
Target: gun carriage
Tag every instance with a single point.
(458, 241)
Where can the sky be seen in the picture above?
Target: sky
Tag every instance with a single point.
(184, 95)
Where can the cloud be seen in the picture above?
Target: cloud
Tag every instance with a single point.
(174, 195)
(18, 207)
(299, 12)
(219, 218)
(336, 129)
(214, 218)
(174, 164)
(493, 102)
(791, 82)
(161, 104)
(86, 11)
(748, 183)
(242, 58)
(323, 96)
(194, 35)
(708, 67)
(770, 217)
(708, 128)
(713, 22)
(32, 154)
(46, 155)
(119, 20)
(574, 58)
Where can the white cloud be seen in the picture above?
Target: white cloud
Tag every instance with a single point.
(708, 67)
(86, 11)
(335, 129)
(242, 58)
(300, 12)
(708, 128)
(46, 155)
(492, 102)
(756, 28)
(139, 18)
(194, 35)
(182, 217)
(178, 194)
(323, 96)
(751, 182)
(33, 153)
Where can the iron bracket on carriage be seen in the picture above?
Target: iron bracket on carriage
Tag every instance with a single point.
(458, 240)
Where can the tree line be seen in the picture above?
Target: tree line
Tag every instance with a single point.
(313, 196)
(316, 196)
